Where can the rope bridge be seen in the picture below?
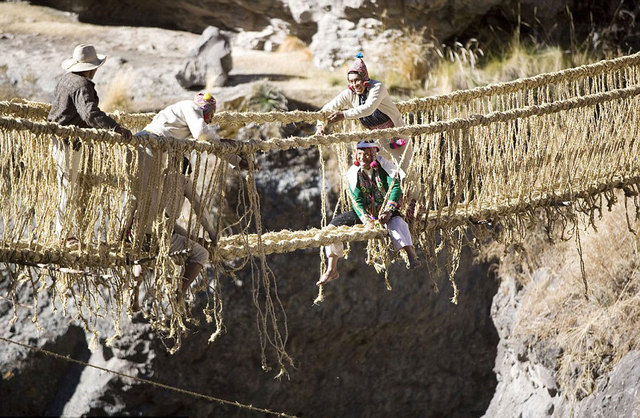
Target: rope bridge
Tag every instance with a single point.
(491, 154)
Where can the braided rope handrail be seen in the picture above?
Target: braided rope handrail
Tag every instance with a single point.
(241, 118)
(272, 144)
(536, 81)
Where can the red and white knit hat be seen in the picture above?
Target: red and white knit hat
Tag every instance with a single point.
(359, 67)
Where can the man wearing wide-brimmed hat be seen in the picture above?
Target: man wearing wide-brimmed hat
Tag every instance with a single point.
(75, 99)
(75, 103)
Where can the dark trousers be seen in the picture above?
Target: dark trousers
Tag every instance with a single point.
(346, 218)
(351, 218)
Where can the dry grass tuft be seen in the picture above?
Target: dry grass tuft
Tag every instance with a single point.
(292, 44)
(118, 95)
(8, 90)
(521, 61)
(595, 333)
(455, 67)
(265, 97)
(414, 63)
(406, 60)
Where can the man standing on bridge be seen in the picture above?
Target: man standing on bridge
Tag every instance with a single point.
(75, 103)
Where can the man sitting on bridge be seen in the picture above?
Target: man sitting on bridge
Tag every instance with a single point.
(370, 179)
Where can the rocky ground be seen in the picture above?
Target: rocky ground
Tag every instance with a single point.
(143, 61)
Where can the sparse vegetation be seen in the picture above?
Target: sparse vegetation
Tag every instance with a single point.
(406, 60)
(591, 334)
(292, 44)
(455, 67)
(118, 96)
(266, 97)
(524, 61)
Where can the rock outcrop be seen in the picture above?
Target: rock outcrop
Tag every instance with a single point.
(526, 368)
(209, 62)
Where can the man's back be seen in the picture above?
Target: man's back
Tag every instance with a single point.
(75, 103)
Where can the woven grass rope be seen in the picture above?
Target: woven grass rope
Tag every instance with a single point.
(499, 155)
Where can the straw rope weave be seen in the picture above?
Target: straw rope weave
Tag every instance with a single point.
(560, 142)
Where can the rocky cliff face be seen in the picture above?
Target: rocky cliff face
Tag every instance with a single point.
(336, 29)
(526, 370)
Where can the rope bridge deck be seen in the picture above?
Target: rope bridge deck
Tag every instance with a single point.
(493, 153)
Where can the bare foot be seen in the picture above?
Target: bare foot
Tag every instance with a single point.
(328, 276)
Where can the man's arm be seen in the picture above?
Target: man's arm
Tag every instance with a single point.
(394, 197)
(393, 183)
(357, 199)
(341, 101)
(86, 101)
(197, 126)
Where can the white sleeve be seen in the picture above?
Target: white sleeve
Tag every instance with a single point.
(341, 101)
(197, 126)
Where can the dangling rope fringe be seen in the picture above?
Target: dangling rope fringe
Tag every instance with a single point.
(487, 156)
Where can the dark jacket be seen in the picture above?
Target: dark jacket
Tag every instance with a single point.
(75, 103)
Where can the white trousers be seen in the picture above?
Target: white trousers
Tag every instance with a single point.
(398, 232)
(67, 162)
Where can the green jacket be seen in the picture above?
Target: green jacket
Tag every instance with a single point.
(367, 194)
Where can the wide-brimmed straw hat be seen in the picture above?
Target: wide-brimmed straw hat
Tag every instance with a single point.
(84, 58)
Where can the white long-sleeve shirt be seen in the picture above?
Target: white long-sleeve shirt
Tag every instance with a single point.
(378, 98)
(181, 120)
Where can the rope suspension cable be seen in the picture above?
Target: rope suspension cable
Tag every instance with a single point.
(272, 144)
(39, 110)
(147, 381)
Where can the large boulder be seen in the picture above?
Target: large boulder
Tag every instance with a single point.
(209, 62)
